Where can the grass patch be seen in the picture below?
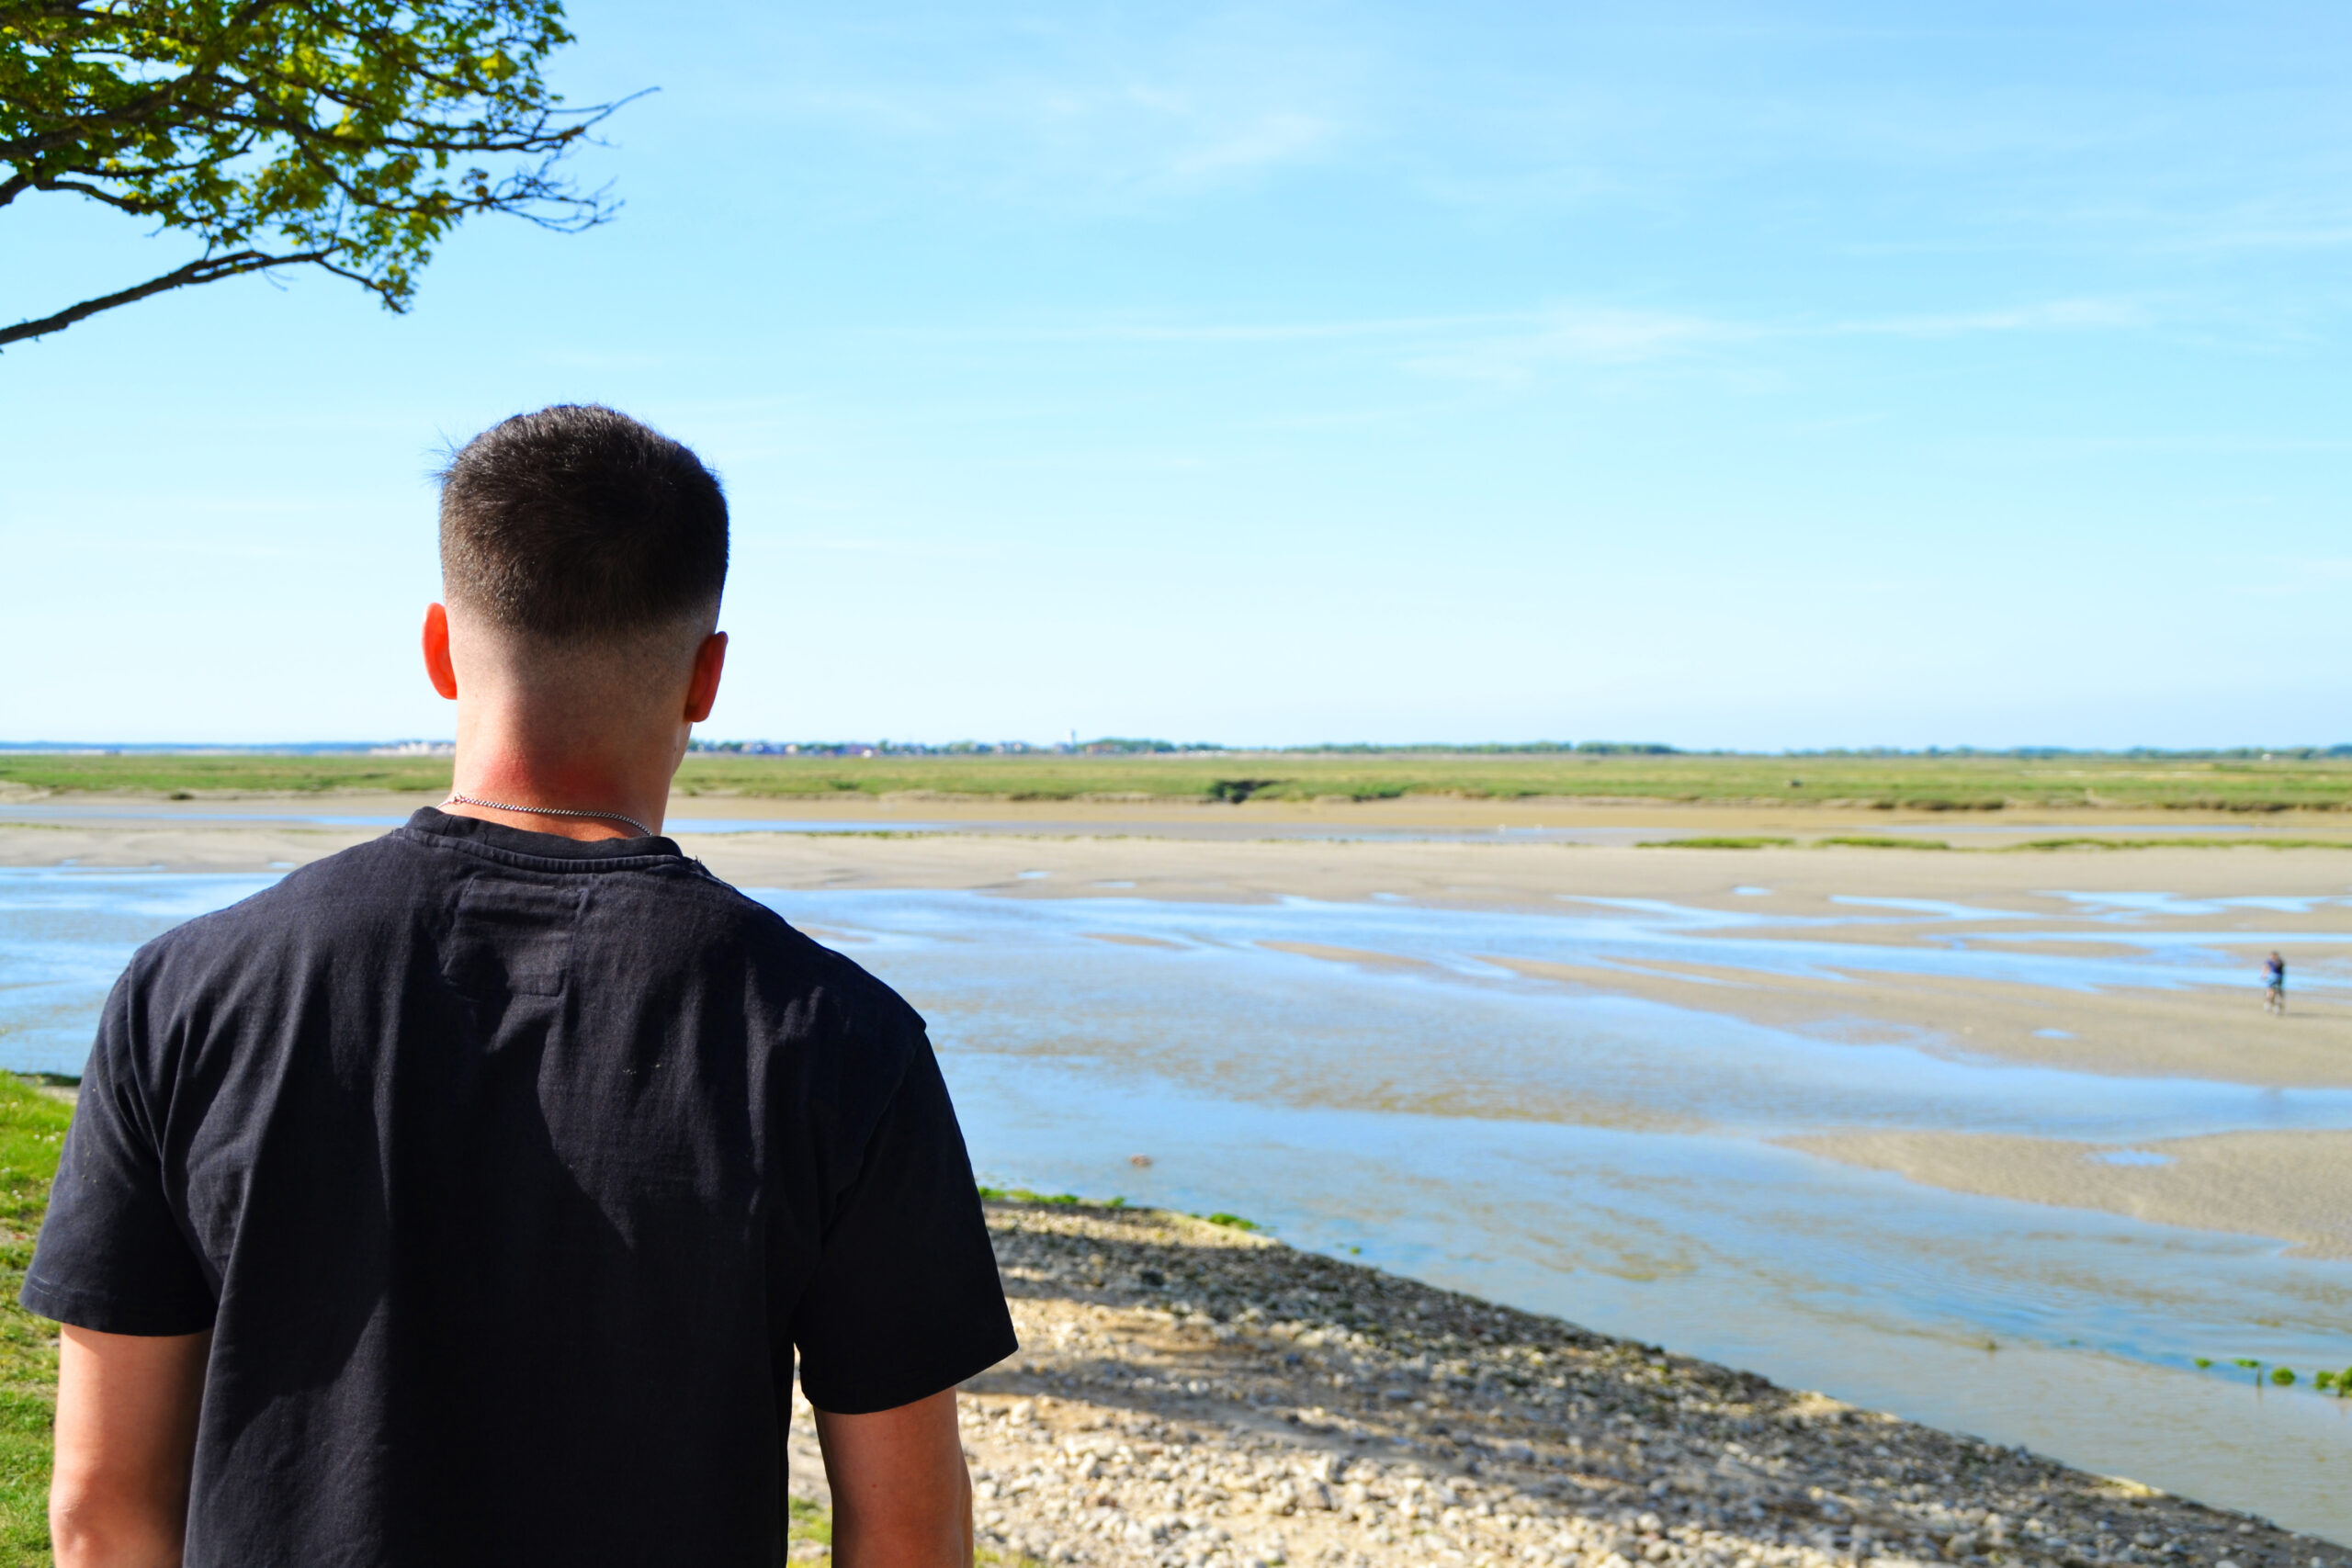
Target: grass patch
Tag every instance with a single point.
(185, 775)
(1910, 782)
(32, 1128)
(806, 1520)
(2183, 842)
(1881, 841)
(990, 1556)
(1756, 841)
(1023, 1195)
(1918, 783)
(811, 1521)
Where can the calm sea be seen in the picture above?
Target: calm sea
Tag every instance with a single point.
(1605, 1159)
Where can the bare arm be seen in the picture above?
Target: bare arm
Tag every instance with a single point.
(126, 1439)
(901, 1496)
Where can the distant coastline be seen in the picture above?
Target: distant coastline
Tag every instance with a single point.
(2302, 780)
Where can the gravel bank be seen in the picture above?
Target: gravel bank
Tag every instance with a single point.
(1193, 1396)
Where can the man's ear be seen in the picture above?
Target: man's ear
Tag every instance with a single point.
(702, 691)
(437, 667)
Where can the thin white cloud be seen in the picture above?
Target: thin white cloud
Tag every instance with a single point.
(1514, 347)
(2296, 578)
(922, 549)
(1265, 140)
(2329, 232)
(2055, 315)
(1564, 336)
(1095, 112)
(1264, 332)
(1571, 336)
(1119, 136)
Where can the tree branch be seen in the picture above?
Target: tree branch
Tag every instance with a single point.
(279, 133)
(206, 269)
(130, 204)
(210, 55)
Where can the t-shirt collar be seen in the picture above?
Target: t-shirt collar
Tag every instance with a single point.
(475, 830)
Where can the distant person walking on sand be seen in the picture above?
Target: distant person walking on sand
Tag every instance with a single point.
(2273, 985)
(464, 1198)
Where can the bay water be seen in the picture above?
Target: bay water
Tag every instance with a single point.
(1610, 1159)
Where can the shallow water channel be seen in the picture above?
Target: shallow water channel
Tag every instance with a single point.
(1602, 1158)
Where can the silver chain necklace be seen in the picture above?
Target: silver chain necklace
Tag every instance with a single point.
(643, 831)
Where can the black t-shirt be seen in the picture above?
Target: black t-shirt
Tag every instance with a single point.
(508, 1170)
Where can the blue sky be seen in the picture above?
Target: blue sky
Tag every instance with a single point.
(1753, 375)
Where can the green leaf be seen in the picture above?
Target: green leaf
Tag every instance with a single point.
(300, 133)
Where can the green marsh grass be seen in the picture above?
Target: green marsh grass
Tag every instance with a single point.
(1750, 842)
(1023, 1195)
(814, 1522)
(1914, 783)
(2336, 1383)
(807, 1521)
(186, 775)
(1071, 1200)
(1867, 841)
(32, 1128)
(2183, 842)
(989, 1557)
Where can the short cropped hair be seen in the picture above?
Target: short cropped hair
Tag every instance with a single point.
(577, 523)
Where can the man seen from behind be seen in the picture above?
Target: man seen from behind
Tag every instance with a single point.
(464, 1198)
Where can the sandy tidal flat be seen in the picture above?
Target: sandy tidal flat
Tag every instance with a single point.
(1838, 901)
(2296, 1186)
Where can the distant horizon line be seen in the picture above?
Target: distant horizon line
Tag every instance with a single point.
(1118, 746)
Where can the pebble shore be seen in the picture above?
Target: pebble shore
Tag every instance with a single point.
(1191, 1395)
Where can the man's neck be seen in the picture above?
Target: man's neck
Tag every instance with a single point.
(572, 792)
(586, 824)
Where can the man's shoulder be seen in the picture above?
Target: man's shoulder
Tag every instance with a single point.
(390, 894)
(799, 973)
(338, 891)
(233, 961)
